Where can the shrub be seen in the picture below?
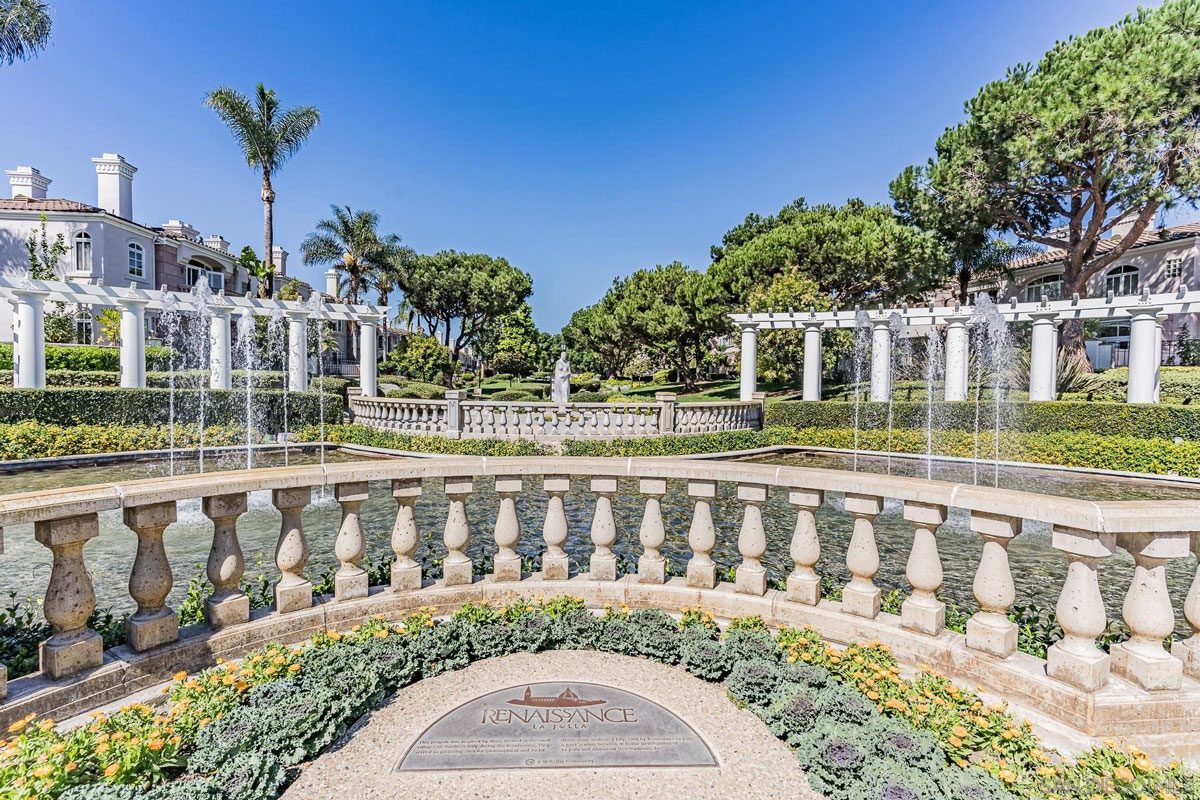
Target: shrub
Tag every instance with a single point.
(617, 635)
(843, 704)
(662, 376)
(152, 406)
(833, 755)
(513, 396)
(250, 776)
(23, 440)
(754, 683)
(369, 437)
(589, 397)
(745, 645)
(896, 740)
(538, 390)
(667, 445)
(792, 713)
(884, 779)
(419, 356)
(578, 630)
(704, 658)
(970, 784)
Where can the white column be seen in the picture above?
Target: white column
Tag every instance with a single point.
(1144, 354)
(1161, 318)
(220, 363)
(956, 357)
(297, 351)
(366, 355)
(749, 358)
(881, 360)
(29, 339)
(1043, 355)
(133, 343)
(812, 360)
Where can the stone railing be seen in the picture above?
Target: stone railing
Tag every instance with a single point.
(1139, 689)
(457, 418)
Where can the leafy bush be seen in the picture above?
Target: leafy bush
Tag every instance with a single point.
(538, 390)
(842, 704)
(704, 658)
(514, 396)
(87, 358)
(833, 755)
(662, 376)
(792, 713)
(667, 445)
(152, 406)
(747, 645)
(578, 630)
(39, 440)
(755, 682)
(885, 779)
(589, 397)
(369, 437)
(420, 357)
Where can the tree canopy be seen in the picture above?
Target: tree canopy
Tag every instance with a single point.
(1100, 133)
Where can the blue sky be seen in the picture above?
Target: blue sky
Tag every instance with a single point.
(580, 141)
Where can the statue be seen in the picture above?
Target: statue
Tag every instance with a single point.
(560, 384)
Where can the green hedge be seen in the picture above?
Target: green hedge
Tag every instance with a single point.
(1064, 448)
(538, 390)
(369, 437)
(1147, 421)
(410, 389)
(1177, 384)
(88, 358)
(684, 444)
(39, 440)
(151, 406)
(514, 396)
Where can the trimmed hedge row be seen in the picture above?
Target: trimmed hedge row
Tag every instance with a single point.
(684, 444)
(1177, 384)
(39, 440)
(369, 437)
(152, 407)
(1147, 421)
(1064, 448)
(88, 358)
(412, 390)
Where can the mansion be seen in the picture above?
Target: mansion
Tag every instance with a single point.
(1164, 260)
(104, 245)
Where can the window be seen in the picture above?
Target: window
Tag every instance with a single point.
(216, 280)
(1047, 288)
(1173, 269)
(1121, 280)
(83, 327)
(197, 271)
(137, 260)
(83, 252)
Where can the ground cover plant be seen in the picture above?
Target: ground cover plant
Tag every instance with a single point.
(241, 731)
(29, 439)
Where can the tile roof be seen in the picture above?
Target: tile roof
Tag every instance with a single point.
(1157, 236)
(23, 203)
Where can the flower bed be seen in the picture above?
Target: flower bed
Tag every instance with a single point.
(242, 730)
(30, 439)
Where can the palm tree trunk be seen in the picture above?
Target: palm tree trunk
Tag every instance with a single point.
(268, 198)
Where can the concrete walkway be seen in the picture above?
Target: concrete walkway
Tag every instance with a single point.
(751, 762)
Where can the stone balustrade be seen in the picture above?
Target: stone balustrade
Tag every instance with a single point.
(1139, 689)
(457, 418)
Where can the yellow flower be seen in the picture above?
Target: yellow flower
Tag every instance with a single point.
(46, 725)
(1144, 764)
(270, 670)
(383, 634)
(102, 748)
(294, 668)
(70, 766)
(959, 731)
(955, 741)
(57, 748)
(1123, 774)
(43, 771)
(111, 770)
(181, 675)
(1007, 775)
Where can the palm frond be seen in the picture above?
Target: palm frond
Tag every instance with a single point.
(24, 29)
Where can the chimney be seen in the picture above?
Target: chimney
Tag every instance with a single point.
(331, 277)
(29, 182)
(1119, 230)
(279, 259)
(180, 230)
(217, 242)
(114, 185)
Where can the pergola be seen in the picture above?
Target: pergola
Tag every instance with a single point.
(28, 298)
(1144, 312)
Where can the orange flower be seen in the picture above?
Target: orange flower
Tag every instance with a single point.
(43, 771)
(1123, 774)
(154, 745)
(959, 731)
(181, 675)
(294, 668)
(70, 766)
(111, 770)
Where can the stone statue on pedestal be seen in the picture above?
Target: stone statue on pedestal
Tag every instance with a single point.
(560, 384)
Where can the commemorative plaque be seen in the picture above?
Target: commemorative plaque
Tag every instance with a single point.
(557, 725)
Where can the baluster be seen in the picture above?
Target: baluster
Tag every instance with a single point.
(293, 592)
(922, 611)
(751, 577)
(406, 571)
(350, 581)
(990, 629)
(506, 566)
(228, 604)
(556, 565)
(70, 599)
(603, 565)
(702, 536)
(652, 567)
(150, 579)
(803, 584)
(1074, 659)
(457, 567)
(1188, 650)
(861, 596)
(1148, 612)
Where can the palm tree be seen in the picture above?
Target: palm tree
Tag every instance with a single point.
(393, 275)
(24, 29)
(350, 241)
(268, 137)
(992, 259)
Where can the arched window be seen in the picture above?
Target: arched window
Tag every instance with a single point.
(1047, 288)
(83, 252)
(137, 260)
(1121, 280)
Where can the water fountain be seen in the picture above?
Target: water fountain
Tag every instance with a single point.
(169, 330)
(314, 305)
(202, 353)
(935, 367)
(993, 348)
(896, 326)
(247, 352)
(862, 341)
(277, 347)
